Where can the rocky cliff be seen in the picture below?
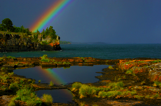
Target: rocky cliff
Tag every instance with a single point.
(14, 42)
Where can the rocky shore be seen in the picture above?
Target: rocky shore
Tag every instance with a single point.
(130, 82)
(14, 43)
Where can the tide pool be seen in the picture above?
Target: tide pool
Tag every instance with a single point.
(83, 74)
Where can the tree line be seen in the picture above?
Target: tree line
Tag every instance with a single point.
(7, 25)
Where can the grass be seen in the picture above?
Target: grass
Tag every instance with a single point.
(110, 67)
(13, 86)
(86, 90)
(147, 96)
(23, 89)
(44, 58)
(76, 85)
(115, 85)
(51, 83)
(138, 96)
(111, 90)
(129, 71)
(10, 57)
(66, 63)
(47, 99)
(157, 83)
(156, 61)
(28, 96)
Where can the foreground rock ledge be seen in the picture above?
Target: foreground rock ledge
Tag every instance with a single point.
(114, 74)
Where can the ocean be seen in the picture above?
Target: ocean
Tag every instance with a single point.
(102, 51)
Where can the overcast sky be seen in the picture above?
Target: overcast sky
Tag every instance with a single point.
(110, 21)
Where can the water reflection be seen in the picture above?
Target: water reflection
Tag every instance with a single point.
(58, 95)
(84, 74)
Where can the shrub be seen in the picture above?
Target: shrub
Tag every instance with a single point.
(39, 81)
(9, 57)
(44, 56)
(129, 72)
(110, 67)
(28, 96)
(138, 96)
(2, 68)
(34, 102)
(76, 85)
(133, 92)
(86, 90)
(51, 83)
(45, 60)
(13, 86)
(112, 93)
(147, 96)
(66, 63)
(116, 85)
(156, 61)
(102, 94)
(12, 103)
(10, 74)
(47, 99)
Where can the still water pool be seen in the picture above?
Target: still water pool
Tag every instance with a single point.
(83, 74)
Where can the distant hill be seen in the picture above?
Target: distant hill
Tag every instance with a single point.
(64, 42)
(89, 43)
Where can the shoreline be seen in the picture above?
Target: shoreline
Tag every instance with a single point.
(110, 74)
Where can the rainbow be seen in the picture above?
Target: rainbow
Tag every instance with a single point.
(54, 76)
(49, 14)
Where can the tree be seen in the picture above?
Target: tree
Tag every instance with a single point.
(17, 29)
(1, 27)
(7, 24)
(52, 32)
(28, 31)
(22, 29)
(43, 34)
(47, 31)
(38, 32)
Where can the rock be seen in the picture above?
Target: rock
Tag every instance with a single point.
(12, 43)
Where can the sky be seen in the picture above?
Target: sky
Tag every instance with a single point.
(109, 21)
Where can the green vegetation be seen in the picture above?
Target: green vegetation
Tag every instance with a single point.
(51, 83)
(76, 85)
(10, 57)
(129, 71)
(23, 89)
(86, 90)
(157, 83)
(6, 25)
(110, 67)
(115, 85)
(7, 28)
(39, 81)
(156, 61)
(66, 63)
(47, 99)
(31, 99)
(110, 90)
(28, 96)
(44, 58)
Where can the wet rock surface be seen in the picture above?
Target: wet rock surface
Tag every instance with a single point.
(141, 78)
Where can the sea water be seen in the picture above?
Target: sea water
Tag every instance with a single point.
(103, 51)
